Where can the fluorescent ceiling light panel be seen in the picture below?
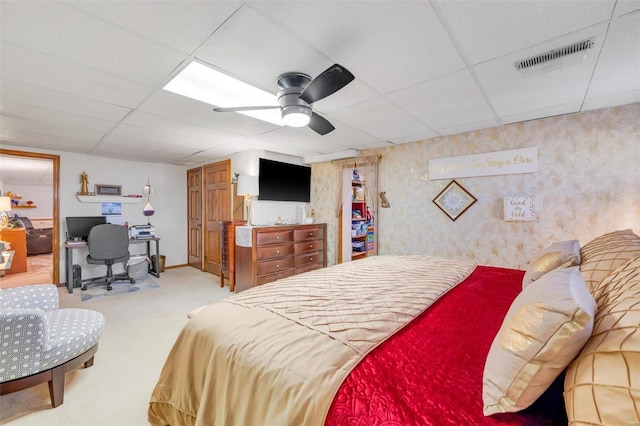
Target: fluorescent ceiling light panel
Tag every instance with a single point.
(200, 82)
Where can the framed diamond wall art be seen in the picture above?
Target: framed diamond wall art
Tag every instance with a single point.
(454, 200)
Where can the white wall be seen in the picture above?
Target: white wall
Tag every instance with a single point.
(169, 201)
(266, 212)
(42, 197)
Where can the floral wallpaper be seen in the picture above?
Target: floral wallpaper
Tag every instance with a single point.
(587, 184)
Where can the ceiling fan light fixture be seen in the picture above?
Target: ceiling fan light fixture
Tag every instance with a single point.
(296, 115)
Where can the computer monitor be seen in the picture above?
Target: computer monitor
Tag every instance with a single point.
(78, 227)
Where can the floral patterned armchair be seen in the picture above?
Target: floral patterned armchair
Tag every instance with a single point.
(40, 342)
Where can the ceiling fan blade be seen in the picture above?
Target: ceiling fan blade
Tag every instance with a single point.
(320, 124)
(330, 81)
(248, 108)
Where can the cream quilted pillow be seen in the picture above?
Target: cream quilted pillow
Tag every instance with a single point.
(545, 328)
(559, 255)
(605, 253)
(602, 386)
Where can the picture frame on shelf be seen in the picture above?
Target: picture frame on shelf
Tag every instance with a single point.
(101, 189)
(454, 200)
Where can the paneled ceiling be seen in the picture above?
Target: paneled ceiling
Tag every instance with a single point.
(87, 76)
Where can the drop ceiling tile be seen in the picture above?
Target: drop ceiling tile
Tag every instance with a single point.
(143, 137)
(30, 139)
(182, 25)
(549, 111)
(171, 129)
(468, 127)
(40, 70)
(380, 118)
(181, 108)
(148, 155)
(49, 99)
(415, 138)
(448, 101)
(618, 68)
(49, 116)
(310, 142)
(560, 82)
(489, 29)
(47, 129)
(72, 35)
(347, 136)
(370, 38)
(256, 50)
(626, 6)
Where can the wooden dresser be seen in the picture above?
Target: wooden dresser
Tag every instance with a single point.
(18, 239)
(279, 251)
(227, 252)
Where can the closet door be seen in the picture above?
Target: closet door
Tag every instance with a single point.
(194, 212)
(217, 192)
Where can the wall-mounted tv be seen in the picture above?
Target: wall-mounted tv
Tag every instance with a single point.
(279, 181)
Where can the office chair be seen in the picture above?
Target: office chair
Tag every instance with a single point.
(108, 244)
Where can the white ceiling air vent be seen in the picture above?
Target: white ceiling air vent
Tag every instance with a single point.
(574, 50)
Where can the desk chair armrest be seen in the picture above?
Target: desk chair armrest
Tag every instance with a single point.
(41, 296)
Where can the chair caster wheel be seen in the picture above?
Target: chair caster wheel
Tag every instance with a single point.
(133, 281)
(84, 287)
(109, 288)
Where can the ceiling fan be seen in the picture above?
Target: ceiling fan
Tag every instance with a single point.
(297, 94)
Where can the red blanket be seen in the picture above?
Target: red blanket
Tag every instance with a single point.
(430, 373)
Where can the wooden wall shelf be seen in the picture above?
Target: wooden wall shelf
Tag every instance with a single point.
(108, 199)
(23, 207)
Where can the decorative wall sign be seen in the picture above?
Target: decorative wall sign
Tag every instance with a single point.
(454, 200)
(108, 189)
(524, 160)
(519, 209)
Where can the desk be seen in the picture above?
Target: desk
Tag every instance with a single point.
(70, 245)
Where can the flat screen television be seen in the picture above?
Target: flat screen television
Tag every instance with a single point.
(279, 181)
(78, 227)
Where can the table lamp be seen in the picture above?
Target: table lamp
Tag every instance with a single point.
(5, 206)
(248, 186)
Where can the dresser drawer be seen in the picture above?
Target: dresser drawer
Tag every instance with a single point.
(309, 246)
(272, 277)
(314, 233)
(305, 259)
(273, 266)
(274, 251)
(278, 237)
(307, 268)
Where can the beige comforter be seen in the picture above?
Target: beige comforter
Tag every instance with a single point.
(277, 354)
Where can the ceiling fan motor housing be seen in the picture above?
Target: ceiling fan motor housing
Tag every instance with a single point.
(295, 112)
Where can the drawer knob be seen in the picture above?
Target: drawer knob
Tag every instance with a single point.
(277, 251)
(311, 259)
(277, 237)
(277, 266)
(311, 234)
(310, 245)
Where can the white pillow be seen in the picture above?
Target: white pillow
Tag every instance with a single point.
(545, 328)
(559, 255)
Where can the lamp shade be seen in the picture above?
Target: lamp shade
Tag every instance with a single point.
(247, 185)
(5, 204)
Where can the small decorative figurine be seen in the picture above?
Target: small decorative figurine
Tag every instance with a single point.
(384, 203)
(84, 184)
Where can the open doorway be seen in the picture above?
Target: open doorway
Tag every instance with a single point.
(33, 181)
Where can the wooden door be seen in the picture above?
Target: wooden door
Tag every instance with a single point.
(217, 207)
(194, 202)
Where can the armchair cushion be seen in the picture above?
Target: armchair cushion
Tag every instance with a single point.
(36, 337)
(41, 296)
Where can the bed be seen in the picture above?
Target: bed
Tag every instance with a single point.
(387, 340)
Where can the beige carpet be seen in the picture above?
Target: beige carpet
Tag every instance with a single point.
(140, 330)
